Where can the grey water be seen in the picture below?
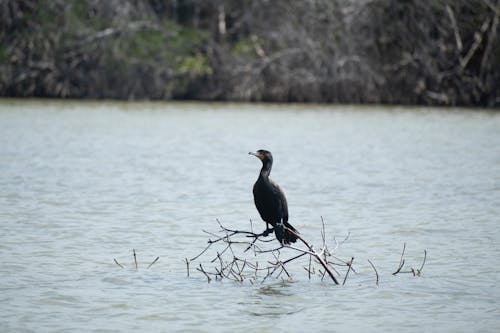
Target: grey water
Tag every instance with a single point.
(82, 183)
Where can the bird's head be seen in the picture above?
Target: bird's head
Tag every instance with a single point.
(263, 155)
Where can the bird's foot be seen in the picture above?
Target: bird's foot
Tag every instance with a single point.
(267, 232)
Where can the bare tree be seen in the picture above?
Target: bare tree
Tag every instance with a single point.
(370, 51)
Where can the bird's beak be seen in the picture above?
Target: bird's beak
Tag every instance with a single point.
(259, 156)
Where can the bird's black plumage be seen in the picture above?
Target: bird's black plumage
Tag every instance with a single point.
(271, 202)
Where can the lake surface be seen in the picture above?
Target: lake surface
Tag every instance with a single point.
(82, 183)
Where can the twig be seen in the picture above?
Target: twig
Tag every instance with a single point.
(478, 39)
(228, 234)
(116, 262)
(491, 39)
(346, 237)
(458, 39)
(187, 266)
(135, 259)
(399, 268)
(269, 273)
(296, 257)
(423, 262)
(219, 254)
(276, 249)
(337, 272)
(151, 264)
(348, 270)
(203, 271)
(337, 243)
(311, 252)
(309, 270)
(204, 250)
(323, 231)
(419, 271)
(284, 269)
(243, 267)
(321, 260)
(343, 263)
(493, 7)
(415, 272)
(376, 273)
(401, 261)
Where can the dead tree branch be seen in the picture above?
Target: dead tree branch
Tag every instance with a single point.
(233, 243)
(415, 272)
(116, 262)
(376, 273)
(152, 263)
(226, 258)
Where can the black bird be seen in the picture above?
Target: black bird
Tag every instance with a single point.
(271, 202)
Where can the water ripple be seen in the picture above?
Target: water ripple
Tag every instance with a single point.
(81, 184)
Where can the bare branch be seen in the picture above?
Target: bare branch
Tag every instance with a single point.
(415, 272)
(203, 271)
(318, 257)
(116, 262)
(458, 39)
(401, 261)
(419, 271)
(348, 270)
(491, 41)
(151, 264)
(373, 266)
(478, 39)
(230, 264)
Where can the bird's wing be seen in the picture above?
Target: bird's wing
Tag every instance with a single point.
(282, 201)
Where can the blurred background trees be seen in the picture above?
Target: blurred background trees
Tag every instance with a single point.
(439, 52)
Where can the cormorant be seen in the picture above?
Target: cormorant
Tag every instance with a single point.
(271, 202)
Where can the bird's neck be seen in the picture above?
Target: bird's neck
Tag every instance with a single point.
(266, 169)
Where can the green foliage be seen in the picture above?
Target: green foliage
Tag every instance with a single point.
(173, 47)
(77, 19)
(146, 45)
(389, 51)
(243, 47)
(45, 14)
(197, 65)
(185, 39)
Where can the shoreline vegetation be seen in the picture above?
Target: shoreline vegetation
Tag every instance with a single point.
(405, 52)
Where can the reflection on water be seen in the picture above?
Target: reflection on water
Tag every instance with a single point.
(274, 300)
(279, 289)
(83, 183)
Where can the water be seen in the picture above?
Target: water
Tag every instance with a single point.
(82, 183)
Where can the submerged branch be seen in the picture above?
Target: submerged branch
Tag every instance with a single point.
(348, 270)
(376, 273)
(415, 272)
(316, 255)
(154, 261)
(401, 261)
(116, 262)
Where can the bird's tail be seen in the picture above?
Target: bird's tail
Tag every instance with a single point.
(289, 237)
